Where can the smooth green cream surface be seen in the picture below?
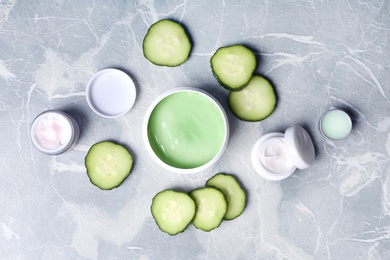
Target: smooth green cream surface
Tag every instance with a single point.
(186, 130)
(336, 125)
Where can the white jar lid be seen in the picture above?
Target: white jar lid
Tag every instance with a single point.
(110, 93)
(300, 147)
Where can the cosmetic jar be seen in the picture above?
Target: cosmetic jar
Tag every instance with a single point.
(54, 132)
(275, 156)
(335, 125)
(185, 130)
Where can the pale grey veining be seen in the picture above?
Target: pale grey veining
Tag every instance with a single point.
(319, 54)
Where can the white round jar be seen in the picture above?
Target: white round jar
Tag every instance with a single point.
(335, 125)
(275, 156)
(183, 140)
(54, 132)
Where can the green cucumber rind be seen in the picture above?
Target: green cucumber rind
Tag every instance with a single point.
(89, 172)
(209, 183)
(228, 87)
(146, 55)
(156, 220)
(221, 81)
(193, 196)
(252, 119)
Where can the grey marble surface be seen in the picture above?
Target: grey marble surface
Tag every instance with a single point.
(318, 54)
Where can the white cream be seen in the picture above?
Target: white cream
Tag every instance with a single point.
(273, 155)
(54, 132)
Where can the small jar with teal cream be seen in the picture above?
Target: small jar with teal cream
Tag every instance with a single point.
(335, 125)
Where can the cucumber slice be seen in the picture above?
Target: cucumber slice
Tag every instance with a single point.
(172, 211)
(233, 66)
(255, 102)
(235, 195)
(108, 164)
(166, 44)
(211, 208)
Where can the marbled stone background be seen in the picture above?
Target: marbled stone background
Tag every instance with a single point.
(319, 54)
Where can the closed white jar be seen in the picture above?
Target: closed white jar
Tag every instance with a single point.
(275, 156)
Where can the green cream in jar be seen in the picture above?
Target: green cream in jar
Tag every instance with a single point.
(186, 129)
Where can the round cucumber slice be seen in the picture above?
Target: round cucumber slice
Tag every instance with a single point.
(108, 164)
(172, 211)
(166, 44)
(255, 102)
(233, 66)
(235, 195)
(210, 208)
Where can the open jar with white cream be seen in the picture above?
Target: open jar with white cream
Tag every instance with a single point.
(54, 132)
(275, 156)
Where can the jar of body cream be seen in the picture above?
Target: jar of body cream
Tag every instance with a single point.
(275, 156)
(54, 132)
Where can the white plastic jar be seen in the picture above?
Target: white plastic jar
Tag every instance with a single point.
(275, 156)
(335, 125)
(173, 108)
(54, 132)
